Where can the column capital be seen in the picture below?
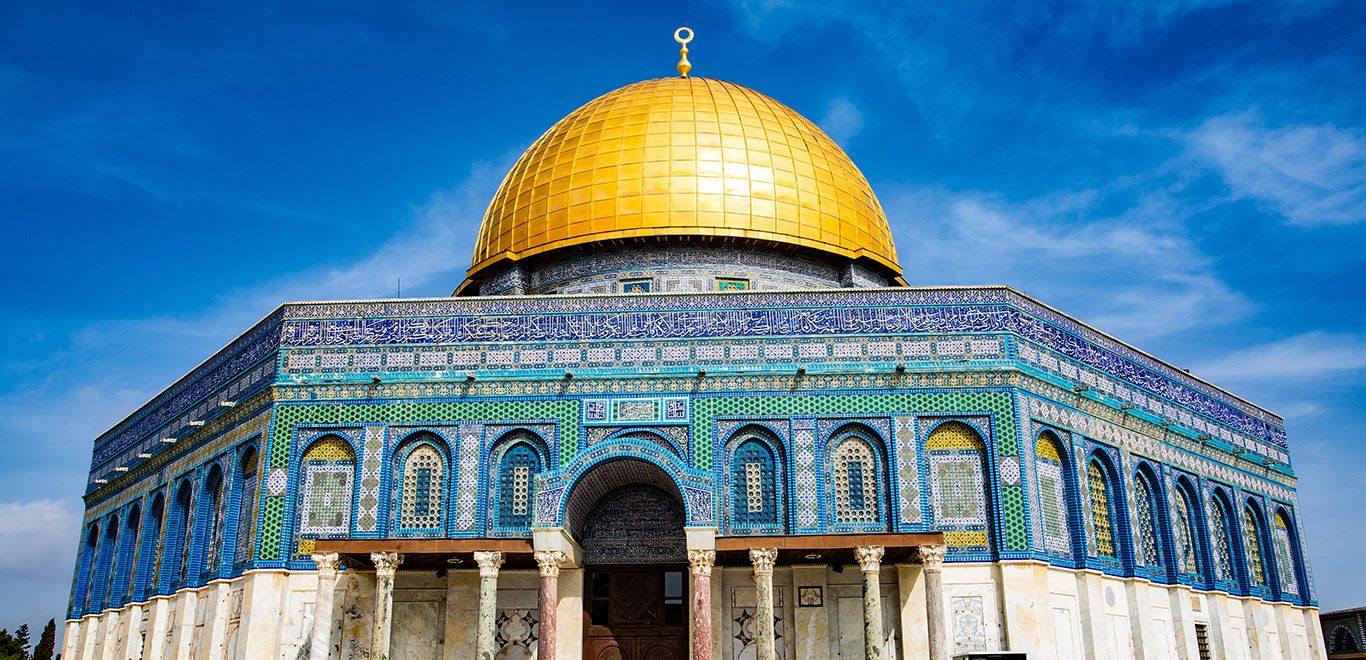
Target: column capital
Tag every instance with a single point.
(931, 556)
(869, 557)
(327, 563)
(549, 561)
(489, 562)
(386, 563)
(701, 561)
(763, 560)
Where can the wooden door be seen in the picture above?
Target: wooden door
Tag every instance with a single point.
(635, 613)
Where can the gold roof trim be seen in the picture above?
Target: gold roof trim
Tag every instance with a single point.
(683, 158)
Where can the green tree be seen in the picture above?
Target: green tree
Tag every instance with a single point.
(47, 642)
(14, 647)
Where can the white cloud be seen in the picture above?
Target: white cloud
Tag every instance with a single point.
(1310, 174)
(1136, 274)
(1303, 357)
(842, 121)
(37, 539)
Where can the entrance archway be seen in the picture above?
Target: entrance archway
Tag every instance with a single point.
(628, 516)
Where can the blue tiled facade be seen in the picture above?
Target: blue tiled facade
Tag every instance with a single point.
(743, 399)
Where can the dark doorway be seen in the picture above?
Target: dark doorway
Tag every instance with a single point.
(635, 613)
(635, 587)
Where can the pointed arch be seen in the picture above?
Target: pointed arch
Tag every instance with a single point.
(89, 557)
(329, 469)
(1185, 525)
(1222, 541)
(184, 530)
(132, 538)
(1289, 563)
(856, 473)
(756, 478)
(104, 571)
(155, 539)
(957, 457)
(1147, 517)
(1056, 487)
(1342, 641)
(248, 485)
(1254, 539)
(213, 505)
(519, 456)
(1106, 533)
(421, 468)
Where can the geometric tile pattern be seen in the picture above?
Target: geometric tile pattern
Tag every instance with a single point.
(1101, 530)
(1253, 548)
(806, 499)
(367, 515)
(467, 488)
(1054, 529)
(907, 474)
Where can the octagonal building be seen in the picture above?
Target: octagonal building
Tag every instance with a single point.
(684, 406)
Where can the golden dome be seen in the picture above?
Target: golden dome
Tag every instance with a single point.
(684, 158)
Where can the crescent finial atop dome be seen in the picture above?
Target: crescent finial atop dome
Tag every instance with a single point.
(684, 66)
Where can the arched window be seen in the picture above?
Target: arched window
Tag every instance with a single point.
(184, 503)
(329, 468)
(132, 539)
(1145, 509)
(957, 458)
(754, 489)
(1256, 566)
(1342, 641)
(516, 471)
(423, 479)
(90, 559)
(1285, 554)
(1183, 508)
(109, 560)
(1221, 532)
(157, 538)
(108, 563)
(856, 482)
(1050, 464)
(246, 506)
(1102, 527)
(214, 503)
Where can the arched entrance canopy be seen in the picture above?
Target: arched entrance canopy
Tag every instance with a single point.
(566, 495)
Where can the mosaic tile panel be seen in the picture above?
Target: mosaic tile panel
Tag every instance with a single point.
(1102, 529)
(467, 488)
(1223, 550)
(1145, 509)
(1183, 523)
(843, 312)
(1280, 536)
(1252, 546)
(287, 417)
(806, 497)
(372, 451)
(906, 468)
(999, 404)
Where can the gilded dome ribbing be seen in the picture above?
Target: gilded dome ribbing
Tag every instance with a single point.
(684, 158)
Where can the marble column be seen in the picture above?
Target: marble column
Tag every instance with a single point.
(701, 562)
(386, 565)
(763, 560)
(489, 563)
(932, 567)
(870, 562)
(320, 644)
(549, 562)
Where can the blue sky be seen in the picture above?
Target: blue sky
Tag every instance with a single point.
(1189, 176)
